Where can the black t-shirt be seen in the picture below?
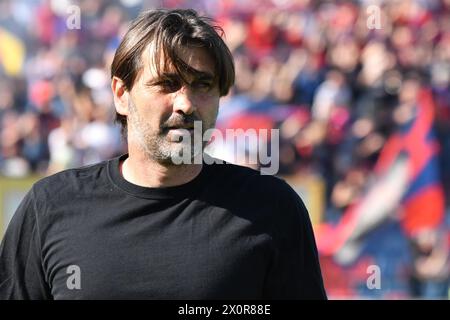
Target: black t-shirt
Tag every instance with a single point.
(230, 233)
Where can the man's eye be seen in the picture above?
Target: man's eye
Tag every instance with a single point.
(170, 85)
(202, 85)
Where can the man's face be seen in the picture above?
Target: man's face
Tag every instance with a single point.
(160, 106)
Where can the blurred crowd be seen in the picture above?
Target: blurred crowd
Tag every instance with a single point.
(336, 78)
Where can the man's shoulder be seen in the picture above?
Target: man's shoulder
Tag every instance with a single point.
(70, 179)
(251, 179)
(267, 199)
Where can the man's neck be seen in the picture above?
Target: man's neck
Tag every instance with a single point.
(142, 171)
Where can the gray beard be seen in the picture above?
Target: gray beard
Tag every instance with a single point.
(157, 146)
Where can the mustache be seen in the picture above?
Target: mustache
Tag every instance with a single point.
(179, 121)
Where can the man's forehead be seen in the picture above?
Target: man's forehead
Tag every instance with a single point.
(196, 58)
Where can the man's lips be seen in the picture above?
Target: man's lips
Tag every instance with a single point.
(188, 127)
(180, 130)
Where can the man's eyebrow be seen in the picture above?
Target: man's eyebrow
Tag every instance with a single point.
(198, 76)
(162, 77)
(203, 75)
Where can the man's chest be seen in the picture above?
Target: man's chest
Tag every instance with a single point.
(166, 257)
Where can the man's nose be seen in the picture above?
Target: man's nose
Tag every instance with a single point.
(183, 101)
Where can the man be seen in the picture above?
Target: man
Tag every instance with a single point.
(140, 226)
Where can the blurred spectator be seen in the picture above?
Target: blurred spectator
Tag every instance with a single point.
(431, 268)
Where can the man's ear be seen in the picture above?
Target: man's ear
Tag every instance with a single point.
(121, 96)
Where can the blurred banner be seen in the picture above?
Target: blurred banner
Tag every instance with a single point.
(406, 189)
(312, 191)
(12, 53)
